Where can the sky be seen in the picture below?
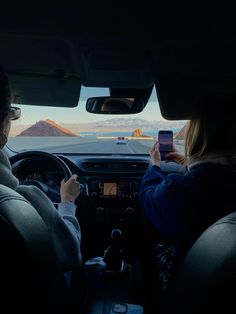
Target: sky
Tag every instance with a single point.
(32, 114)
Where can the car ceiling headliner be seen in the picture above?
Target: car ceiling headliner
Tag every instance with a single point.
(187, 51)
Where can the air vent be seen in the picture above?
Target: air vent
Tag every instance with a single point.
(93, 166)
(135, 166)
(115, 166)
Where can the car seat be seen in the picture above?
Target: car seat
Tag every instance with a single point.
(207, 281)
(30, 280)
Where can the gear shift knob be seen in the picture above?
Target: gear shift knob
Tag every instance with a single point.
(113, 256)
(116, 237)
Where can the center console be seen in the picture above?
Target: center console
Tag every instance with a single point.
(114, 199)
(114, 285)
(110, 201)
(113, 188)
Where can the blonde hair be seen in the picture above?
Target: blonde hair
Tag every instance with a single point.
(195, 139)
(213, 130)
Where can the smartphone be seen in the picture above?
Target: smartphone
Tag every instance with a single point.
(165, 139)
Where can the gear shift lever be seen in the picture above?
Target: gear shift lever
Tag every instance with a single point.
(116, 238)
(113, 255)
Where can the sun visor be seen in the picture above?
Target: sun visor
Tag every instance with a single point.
(44, 91)
(181, 100)
(118, 68)
(40, 70)
(187, 74)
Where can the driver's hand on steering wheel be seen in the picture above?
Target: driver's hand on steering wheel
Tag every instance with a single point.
(70, 189)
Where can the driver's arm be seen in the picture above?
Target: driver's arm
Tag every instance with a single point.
(62, 223)
(69, 191)
(67, 211)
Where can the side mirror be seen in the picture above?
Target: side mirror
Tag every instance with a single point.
(114, 105)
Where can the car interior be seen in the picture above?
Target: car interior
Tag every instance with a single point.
(136, 56)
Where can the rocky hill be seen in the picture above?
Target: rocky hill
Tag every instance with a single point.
(138, 133)
(110, 125)
(180, 134)
(46, 128)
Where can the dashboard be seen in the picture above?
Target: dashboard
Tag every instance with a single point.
(109, 198)
(110, 183)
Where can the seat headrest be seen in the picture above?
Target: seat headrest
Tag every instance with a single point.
(28, 266)
(208, 277)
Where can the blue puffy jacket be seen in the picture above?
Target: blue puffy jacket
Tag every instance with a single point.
(182, 205)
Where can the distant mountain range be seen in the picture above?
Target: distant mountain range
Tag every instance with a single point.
(123, 124)
(50, 128)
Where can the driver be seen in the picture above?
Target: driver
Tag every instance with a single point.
(62, 223)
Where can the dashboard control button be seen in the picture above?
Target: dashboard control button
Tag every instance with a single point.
(100, 210)
(129, 211)
(135, 194)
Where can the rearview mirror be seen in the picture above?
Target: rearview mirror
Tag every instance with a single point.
(114, 105)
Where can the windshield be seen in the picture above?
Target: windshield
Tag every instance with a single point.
(74, 130)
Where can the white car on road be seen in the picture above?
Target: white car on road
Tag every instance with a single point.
(121, 140)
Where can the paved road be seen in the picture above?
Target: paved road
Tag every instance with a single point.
(103, 146)
(82, 145)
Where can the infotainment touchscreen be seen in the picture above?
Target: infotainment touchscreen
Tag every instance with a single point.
(109, 189)
(113, 189)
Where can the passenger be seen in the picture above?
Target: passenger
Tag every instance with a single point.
(62, 223)
(182, 205)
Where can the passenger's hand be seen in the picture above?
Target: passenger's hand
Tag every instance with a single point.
(175, 157)
(155, 155)
(70, 189)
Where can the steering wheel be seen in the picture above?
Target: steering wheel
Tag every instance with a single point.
(52, 192)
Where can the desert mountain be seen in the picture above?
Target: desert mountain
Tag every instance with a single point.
(180, 134)
(46, 128)
(110, 125)
(139, 133)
